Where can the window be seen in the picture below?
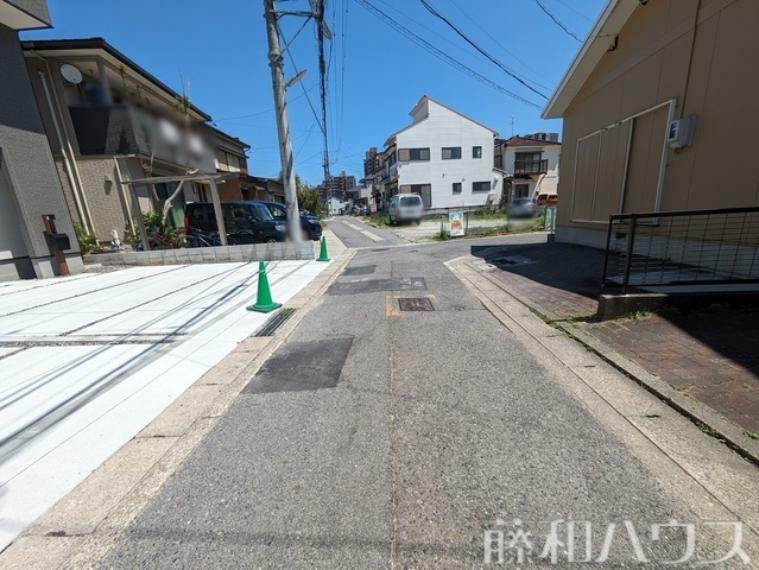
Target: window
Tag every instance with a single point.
(457, 187)
(451, 152)
(278, 213)
(521, 190)
(528, 156)
(413, 154)
(411, 201)
(483, 186)
(476, 152)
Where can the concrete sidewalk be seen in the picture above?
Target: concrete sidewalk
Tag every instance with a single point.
(381, 437)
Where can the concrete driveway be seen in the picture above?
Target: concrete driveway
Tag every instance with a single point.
(90, 360)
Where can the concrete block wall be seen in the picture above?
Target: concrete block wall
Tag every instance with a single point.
(221, 254)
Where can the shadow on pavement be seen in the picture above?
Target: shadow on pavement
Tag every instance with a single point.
(708, 352)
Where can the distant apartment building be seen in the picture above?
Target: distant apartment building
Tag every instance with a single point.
(339, 185)
(530, 165)
(29, 184)
(372, 161)
(108, 121)
(444, 156)
(550, 137)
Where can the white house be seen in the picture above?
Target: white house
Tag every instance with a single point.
(531, 164)
(445, 157)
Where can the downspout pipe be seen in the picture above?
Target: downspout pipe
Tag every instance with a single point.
(66, 162)
(67, 151)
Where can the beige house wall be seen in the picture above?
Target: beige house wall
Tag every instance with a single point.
(711, 75)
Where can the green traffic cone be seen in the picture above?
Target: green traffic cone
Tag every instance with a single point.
(264, 302)
(323, 253)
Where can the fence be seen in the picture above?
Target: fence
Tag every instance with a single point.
(696, 247)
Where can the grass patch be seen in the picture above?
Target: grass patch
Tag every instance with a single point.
(376, 221)
(476, 232)
(751, 434)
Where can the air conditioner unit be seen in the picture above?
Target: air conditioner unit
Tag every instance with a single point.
(680, 132)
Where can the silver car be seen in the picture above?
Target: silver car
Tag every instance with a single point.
(405, 208)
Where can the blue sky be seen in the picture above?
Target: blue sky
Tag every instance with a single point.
(376, 74)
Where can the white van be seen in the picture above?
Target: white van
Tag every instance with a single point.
(405, 208)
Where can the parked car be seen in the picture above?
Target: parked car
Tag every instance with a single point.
(405, 208)
(246, 222)
(523, 208)
(310, 225)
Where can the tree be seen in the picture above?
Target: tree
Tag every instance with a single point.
(308, 196)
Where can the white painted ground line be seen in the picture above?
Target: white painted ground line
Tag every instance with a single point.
(208, 303)
(372, 236)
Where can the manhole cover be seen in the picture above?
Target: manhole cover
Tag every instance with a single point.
(415, 304)
(360, 270)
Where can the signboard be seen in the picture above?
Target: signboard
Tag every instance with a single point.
(456, 223)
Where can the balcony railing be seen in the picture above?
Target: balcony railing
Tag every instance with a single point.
(123, 129)
(696, 247)
(527, 167)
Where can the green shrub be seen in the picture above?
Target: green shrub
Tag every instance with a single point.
(88, 243)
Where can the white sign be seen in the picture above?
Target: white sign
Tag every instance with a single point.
(456, 223)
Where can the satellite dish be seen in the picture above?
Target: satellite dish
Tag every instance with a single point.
(71, 74)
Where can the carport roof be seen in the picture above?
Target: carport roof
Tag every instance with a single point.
(199, 177)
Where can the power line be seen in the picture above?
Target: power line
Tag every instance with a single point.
(319, 5)
(555, 21)
(265, 111)
(295, 68)
(343, 36)
(499, 44)
(505, 69)
(575, 10)
(403, 30)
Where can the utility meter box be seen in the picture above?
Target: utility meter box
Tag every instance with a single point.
(680, 132)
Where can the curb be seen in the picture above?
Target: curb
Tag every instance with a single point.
(702, 415)
(731, 434)
(81, 528)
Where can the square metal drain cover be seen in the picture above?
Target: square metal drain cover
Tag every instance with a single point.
(299, 366)
(360, 270)
(415, 304)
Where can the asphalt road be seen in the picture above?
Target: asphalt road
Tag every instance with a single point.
(380, 438)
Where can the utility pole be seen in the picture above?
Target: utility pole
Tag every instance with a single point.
(276, 63)
(318, 9)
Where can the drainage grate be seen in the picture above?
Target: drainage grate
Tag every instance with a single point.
(360, 270)
(379, 249)
(415, 304)
(273, 324)
(301, 366)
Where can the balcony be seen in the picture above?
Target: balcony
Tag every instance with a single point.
(123, 129)
(528, 167)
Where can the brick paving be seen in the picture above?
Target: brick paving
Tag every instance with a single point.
(543, 275)
(710, 354)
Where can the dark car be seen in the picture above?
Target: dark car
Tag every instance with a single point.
(246, 222)
(309, 224)
(523, 208)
